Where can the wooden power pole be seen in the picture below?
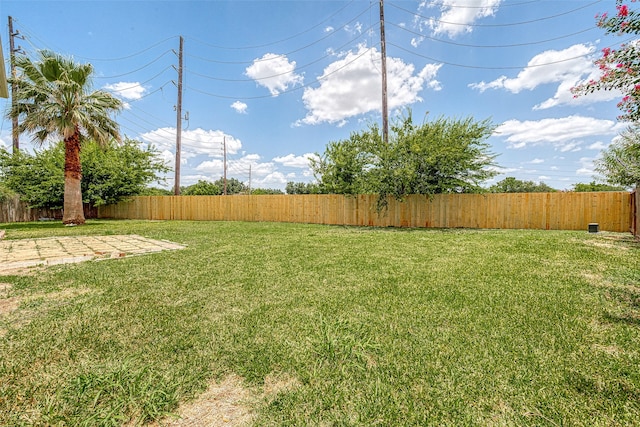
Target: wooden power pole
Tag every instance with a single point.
(176, 188)
(383, 54)
(12, 56)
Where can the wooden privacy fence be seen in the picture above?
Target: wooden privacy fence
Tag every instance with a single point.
(14, 210)
(635, 212)
(547, 211)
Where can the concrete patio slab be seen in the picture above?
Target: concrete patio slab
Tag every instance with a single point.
(19, 254)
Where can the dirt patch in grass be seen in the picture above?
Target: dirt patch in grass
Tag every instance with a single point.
(275, 384)
(9, 305)
(226, 403)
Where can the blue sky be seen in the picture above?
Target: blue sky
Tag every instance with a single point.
(278, 80)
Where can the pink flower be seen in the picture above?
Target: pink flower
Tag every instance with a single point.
(636, 87)
(623, 10)
(606, 51)
(626, 98)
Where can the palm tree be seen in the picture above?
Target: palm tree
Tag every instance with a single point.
(54, 100)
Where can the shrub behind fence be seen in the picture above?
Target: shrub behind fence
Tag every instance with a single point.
(13, 210)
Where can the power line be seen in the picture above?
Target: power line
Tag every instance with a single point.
(128, 56)
(278, 41)
(137, 69)
(495, 67)
(319, 79)
(298, 68)
(510, 24)
(284, 55)
(492, 46)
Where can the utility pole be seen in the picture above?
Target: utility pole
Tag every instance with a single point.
(12, 56)
(176, 188)
(383, 54)
(224, 142)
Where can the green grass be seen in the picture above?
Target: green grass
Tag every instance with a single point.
(374, 326)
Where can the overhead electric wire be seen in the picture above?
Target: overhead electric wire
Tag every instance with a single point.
(441, 4)
(131, 55)
(280, 74)
(278, 41)
(137, 69)
(510, 24)
(288, 90)
(490, 46)
(495, 67)
(142, 83)
(283, 55)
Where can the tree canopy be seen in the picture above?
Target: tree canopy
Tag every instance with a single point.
(595, 186)
(512, 185)
(302, 188)
(111, 173)
(620, 162)
(439, 156)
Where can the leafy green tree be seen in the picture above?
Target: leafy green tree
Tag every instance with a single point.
(38, 178)
(117, 171)
(619, 67)
(53, 99)
(302, 188)
(440, 156)
(5, 193)
(111, 173)
(620, 162)
(234, 186)
(594, 186)
(202, 188)
(265, 191)
(155, 191)
(346, 166)
(513, 185)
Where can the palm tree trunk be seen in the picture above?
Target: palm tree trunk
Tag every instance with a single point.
(73, 213)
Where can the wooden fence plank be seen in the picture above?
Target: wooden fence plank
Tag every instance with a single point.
(555, 211)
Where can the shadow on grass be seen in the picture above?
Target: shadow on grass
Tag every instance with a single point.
(617, 390)
(628, 306)
(43, 225)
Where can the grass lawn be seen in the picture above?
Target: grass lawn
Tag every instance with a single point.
(365, 326)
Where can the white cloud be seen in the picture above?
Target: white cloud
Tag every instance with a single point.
(240, 107)
(127, 90)
(457, 16)
(560, 69)
(560, 132)
(416, 41)
(568, 68)
(599, 145)
(328, 29)
(351, 86)
(5, 139)
(274, 72)
(293, 161)
(536, 161)
(354, 29)
(570, 146)
(274, 179)
(193, 142)
(587, 166)
(239, 168)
